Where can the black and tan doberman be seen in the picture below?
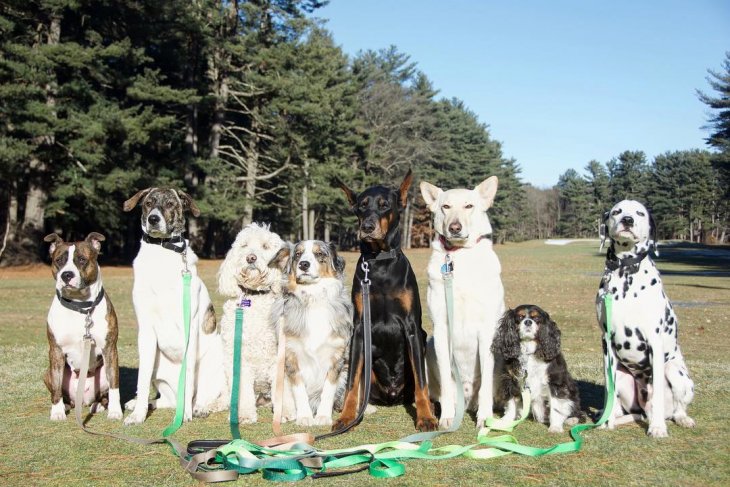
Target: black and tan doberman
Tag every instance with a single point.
(398, 339)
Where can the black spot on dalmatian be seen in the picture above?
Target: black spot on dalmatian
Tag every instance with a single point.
(635, 295)
(646, 271)
(627, 345)
(627, 331)
(666, 356)
(639, 335)
(617, 346)
(653, 281)
(681, 373)
(605, 348)
(613, 290)
(644, 394)
(657, 329)
(641, 347)
(643, 287)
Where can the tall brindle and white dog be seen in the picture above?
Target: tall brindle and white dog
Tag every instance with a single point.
(651, 376)
(463, 232)
(158, 302)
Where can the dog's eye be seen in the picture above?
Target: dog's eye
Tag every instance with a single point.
(170, 204)
(641, 213)
(266, 246)
(82, 260)
(319, 256)
(469, 206)
(148, 203)
(297, 254)
(616, 212)
(446, 207)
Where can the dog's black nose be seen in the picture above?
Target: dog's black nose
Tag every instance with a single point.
(368, 227)
(67, 276)
(455, 228)
(528, 323)
(153, 219)
(251, 258)
(304, 265)
(628, 221)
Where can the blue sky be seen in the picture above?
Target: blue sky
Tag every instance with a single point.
(558, 82)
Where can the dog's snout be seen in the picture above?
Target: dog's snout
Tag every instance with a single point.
(628, 221)
(528, 323)
(251, 258)
(153, 219)
(304, 265)
(368, 227)
(455, 228)
(67, 276)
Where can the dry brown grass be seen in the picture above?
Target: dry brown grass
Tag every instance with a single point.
(563, 280)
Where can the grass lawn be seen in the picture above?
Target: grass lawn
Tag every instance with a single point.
(561, 279)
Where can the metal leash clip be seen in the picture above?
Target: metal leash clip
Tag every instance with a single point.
(448, 268)
(88, 324)
(366, 269)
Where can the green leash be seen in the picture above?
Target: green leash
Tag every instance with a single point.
(237, 338)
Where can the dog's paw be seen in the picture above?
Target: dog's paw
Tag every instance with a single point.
(555, 428)
(342, 423)
(201, 412)
(305, 421)
(657, 431)
(323, 421)
(572, 421)
(370, 409)
(481, 420)
(445, 423)
(114, 413)
(135, 417)
(58, 412)
(685, 422)
(130, 405)
(428, 423)
(248, 417)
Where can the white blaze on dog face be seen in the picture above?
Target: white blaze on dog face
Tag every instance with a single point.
(74, 265)
(629, 223)
(461, 214)
(313, 260)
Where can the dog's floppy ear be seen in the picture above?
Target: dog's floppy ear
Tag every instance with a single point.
(55, 239)
(653, 244)
(404, 186)
(338, 263)
(507, 339)
(548, 339)
(132, 202)
(487, 189)
(188, 203)
(282, 259)
(603, 230)
(430, 194)
(95, 239)
(349, 194)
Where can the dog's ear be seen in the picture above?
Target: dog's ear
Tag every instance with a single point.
(404, 186)
(132, 202)
(603, 229)
(188, 203)
(430, 194)
(507, 339)
(349, 194)
(282, 259)
(487, 189)
(338, 263)
(55, 239)
(548, 339)
(653, 243)
(95, 239)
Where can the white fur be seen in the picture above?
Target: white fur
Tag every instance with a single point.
(643, 306)
(478, 298)
(246, 269)
(157, 296)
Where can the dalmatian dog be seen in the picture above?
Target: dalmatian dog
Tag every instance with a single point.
(650, 374)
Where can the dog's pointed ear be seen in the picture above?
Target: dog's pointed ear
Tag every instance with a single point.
(282, 258)
(430, 194)
(603, 230)
(134, 200)
(487, 189)
(507, 339)
(338, 263)
(55, 239)
(349, 194)
(188, 203)
(653, 242)
(404, 186)
(95, 239)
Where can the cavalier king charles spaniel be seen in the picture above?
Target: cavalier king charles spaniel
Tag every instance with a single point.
(528, 342)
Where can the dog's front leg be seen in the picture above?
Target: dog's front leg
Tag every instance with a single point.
(327, 398)
(486, 365)
(610, 375)
(425, 420)
(111, 363)
(299, 390)
(54, 378)
(655, 411)
(147, 346)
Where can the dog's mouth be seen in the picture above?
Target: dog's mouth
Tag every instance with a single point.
(306, 278)
(80, 292)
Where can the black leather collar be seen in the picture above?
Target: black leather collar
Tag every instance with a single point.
(382, 255)
(629, 265)
(253, 292)
(167, 243)
(83, 307)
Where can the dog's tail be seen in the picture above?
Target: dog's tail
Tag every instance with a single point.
(209, 323)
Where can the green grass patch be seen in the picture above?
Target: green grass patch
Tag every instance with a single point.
(561, 279)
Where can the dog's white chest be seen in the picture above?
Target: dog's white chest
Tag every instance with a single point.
(68, 328)
(536, 379)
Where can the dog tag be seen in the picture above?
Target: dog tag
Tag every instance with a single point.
(446, 268)
(245, 303)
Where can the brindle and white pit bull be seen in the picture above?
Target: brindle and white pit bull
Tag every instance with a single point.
(80, 293)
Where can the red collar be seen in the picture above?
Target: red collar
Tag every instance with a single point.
(451, 248)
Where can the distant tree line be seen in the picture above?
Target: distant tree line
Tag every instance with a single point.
(251, 108)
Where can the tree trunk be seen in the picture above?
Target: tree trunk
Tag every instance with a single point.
(305, 212)
(312, 233)
(13, 211)
(327, 228)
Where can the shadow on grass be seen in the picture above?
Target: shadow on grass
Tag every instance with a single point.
(592, 396)
(706, 260)
(127, 383)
